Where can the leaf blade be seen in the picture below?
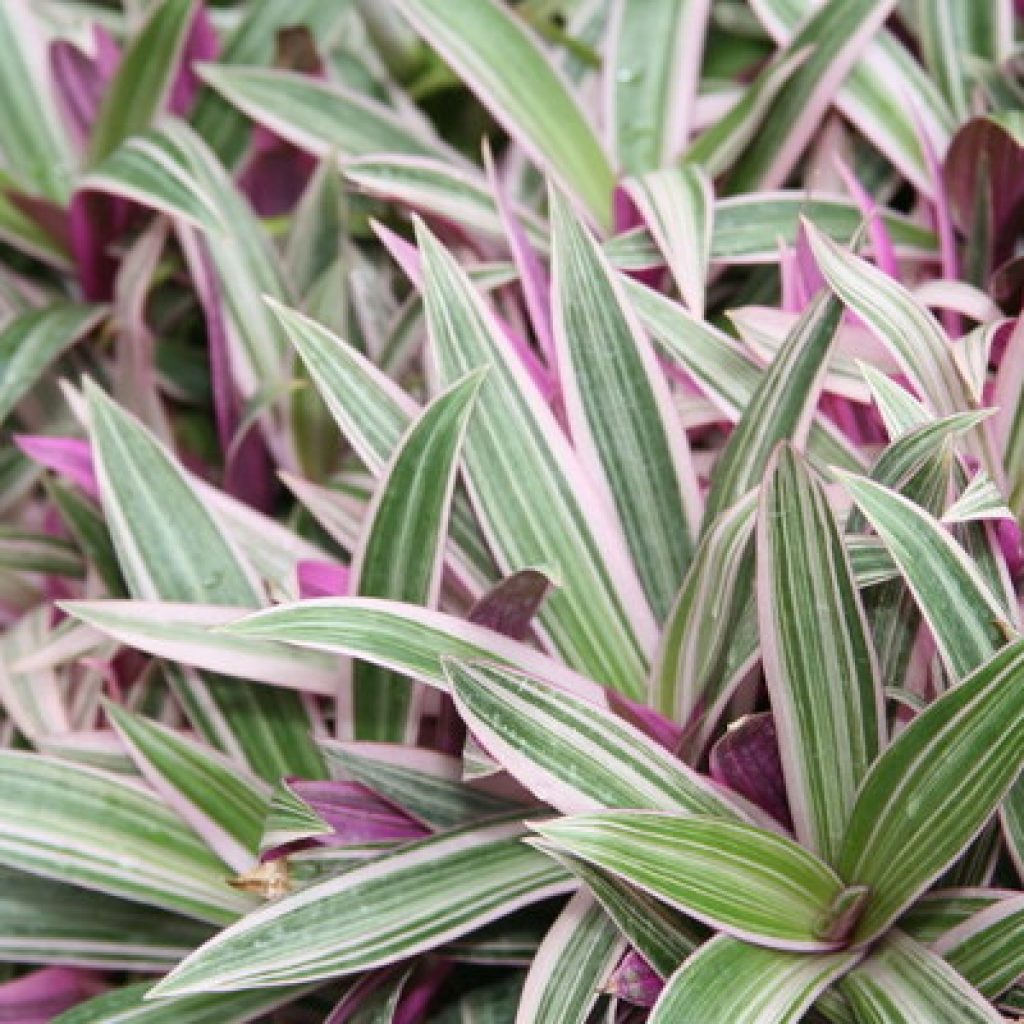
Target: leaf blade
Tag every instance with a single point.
(829, 735)
(750, 883)
(916, 811)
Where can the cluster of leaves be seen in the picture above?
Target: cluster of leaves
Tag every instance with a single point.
(571, 580)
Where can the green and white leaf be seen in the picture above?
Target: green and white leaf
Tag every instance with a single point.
(981, 499)
(748, 882)
(170, 547)
(902, 982)
(34, 147)
(139, 89)
(251, 42)
(408, 639)
(900, 410)
(534, 501)
(322, 118)
(27, 551)
(662, 935)
(651, 79)
(373, 413)
(570, 753)
(130, 1004)
(722, 369)
(87, 827)
(987, 947)
(695, 640)
(933, 790)
(910, 332)
(190, 634)
(960, 608)
(401, 552)
(394, 907)
(31, 698)
(718, 147)
(678, 206)
(31, 343)
(833, 37)
(224, 804)
(820, 667)
(747, 230)
(619, 409)
(494, 54)
(439, 189)
(887, 95)
(572, 965)
(732, 982)
(43, 921)
(780, 409)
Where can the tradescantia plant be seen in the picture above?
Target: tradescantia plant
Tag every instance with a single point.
(569, 579)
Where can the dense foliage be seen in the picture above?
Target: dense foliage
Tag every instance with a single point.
(511, 511)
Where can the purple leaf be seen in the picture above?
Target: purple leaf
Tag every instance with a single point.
(248, 474)
(509, 606)
(1007, 286)
(635, 981)
(96, 221)
(746, 760)
(276, 173)
(356, 814)
(44, 994)
(986, 161)
(69, 457)
(662, 730)
(420, 992)
(1011, 543)
(201, 44)
(322, 579)
(80, 80)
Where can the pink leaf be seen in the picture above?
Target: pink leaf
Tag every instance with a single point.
(407, 257)
(69, 457)
(881, 243)
(532, 276)
(322, 579)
